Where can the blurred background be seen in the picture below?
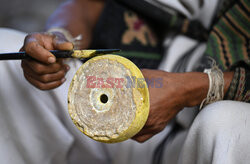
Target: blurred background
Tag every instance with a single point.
(26, 15)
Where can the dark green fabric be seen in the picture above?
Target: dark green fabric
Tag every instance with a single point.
(228, 44)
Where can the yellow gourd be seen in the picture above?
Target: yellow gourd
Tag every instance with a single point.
(108, 99)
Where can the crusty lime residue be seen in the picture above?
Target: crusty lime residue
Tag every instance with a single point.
(83, 53)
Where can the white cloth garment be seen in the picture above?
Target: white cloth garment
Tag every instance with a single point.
(220, 134)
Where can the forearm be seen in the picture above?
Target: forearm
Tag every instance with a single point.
(78, 17)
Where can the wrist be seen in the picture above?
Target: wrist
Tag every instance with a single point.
(198, 84)
(228, 77)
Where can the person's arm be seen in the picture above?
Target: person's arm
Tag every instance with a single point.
(76, 16)
(178, 90)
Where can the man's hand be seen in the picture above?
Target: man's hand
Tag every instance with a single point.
(45, 71)
(78, 17)
(177, 91)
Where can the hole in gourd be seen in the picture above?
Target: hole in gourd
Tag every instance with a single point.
(104, 98)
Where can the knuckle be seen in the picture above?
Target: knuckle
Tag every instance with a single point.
(34, 35)
(30, 46)
(39, 69)
(45, 78)
(41, 86)
(31, 41)
(56, 67)
(58, 83)
(61, 73)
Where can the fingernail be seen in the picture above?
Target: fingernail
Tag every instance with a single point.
(51, 59)
(63, 80)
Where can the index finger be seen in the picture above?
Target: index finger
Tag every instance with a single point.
(39, 53)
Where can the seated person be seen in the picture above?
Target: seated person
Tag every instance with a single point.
(39, 130)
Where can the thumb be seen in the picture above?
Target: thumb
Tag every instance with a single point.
(60, 43)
